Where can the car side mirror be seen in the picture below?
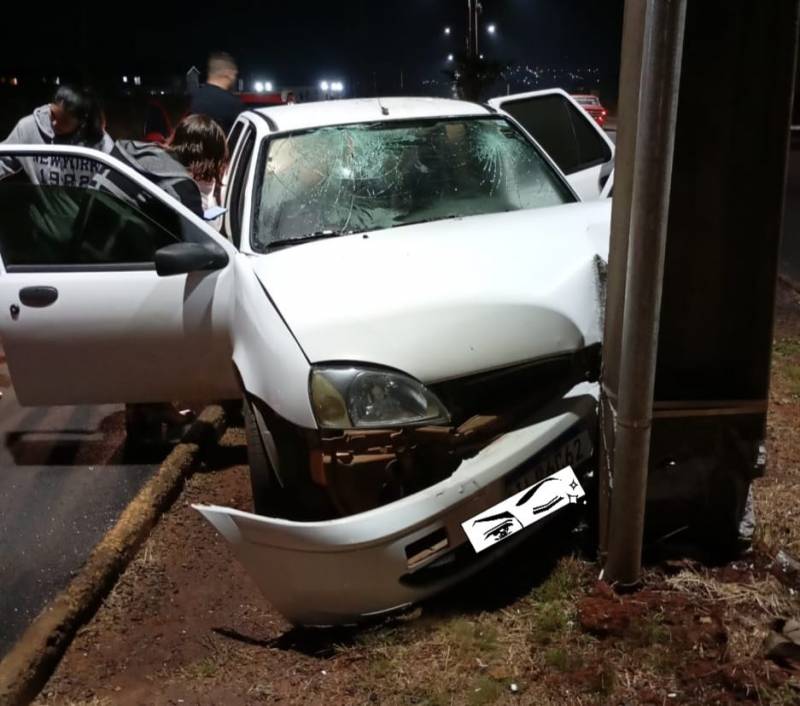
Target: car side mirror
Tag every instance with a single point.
(182, 258)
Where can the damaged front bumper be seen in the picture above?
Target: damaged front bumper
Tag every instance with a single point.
(344, 570)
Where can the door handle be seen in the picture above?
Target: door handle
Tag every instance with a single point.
(38, 296)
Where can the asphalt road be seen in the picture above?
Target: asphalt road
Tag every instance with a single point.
(64, 479)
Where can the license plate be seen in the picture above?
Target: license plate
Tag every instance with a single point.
(572, 452)
(523, 509)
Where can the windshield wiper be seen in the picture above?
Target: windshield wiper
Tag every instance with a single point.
(305, 238)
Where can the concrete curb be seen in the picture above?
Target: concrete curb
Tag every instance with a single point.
(29, 664)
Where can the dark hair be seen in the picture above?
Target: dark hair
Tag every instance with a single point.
(199, 144)
(220, 61)
(84, 105)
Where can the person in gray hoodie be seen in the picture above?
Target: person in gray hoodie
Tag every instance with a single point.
(74, 117)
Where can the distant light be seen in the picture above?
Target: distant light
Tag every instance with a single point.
(14, 81)
(137, 80)
(324, 85)
(447, 30)
(268, 86)
(481, 56)
(259, 86)
(124, 79)
(58, 80)
(492, 28)
(450, 57)
(337, 86)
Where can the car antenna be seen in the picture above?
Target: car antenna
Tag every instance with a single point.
(384, 109)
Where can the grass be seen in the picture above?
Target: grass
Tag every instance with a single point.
(792, 373)
(204, 668)
(563, 583)
(651, 631)
(485, 690)
(551, 621)
(471, 637)
(766, 596)
(787, 348)
(605, 681)
(562, 659)
(785, 695)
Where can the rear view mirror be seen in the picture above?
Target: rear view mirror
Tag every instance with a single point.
(182, 258)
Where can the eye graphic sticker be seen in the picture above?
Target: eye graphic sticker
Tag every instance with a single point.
(497, 527)
(523, 509)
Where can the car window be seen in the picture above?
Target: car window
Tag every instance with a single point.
(354, 178)
(561, 130)
(105, 220)
(237, 190)
(233, 138)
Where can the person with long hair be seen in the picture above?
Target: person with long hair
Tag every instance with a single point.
(199, 144)
(73, 117)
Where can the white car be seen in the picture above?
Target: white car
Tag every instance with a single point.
(407, 293)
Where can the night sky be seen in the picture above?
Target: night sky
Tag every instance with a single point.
(300, 42)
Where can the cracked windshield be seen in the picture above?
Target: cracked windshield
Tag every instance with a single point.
(354, 178)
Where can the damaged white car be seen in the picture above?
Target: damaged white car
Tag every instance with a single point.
(407, 293)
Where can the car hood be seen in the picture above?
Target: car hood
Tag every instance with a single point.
(450, 298)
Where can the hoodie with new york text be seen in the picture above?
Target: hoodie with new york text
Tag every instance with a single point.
(37, 129)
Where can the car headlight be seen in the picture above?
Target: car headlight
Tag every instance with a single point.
(346, 397)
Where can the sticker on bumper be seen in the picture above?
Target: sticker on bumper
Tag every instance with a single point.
(523, 509)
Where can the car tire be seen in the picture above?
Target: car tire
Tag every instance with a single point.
(263, 480)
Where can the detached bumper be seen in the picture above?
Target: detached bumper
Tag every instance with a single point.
(343, 570)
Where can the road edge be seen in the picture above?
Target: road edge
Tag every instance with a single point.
(32, 660)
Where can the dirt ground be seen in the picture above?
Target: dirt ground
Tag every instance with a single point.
(185, 625)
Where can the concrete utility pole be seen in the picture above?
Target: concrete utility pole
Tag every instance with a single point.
(630, 75)
(702, 292)
(648, 200)
(473, 11)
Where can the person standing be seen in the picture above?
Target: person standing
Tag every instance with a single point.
(199, 144)
(214, 97)
(74, 117)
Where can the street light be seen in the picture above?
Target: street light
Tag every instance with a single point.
(337, 87)
(268, 85)
(324, 85)
(259, 87)
(491, 28)
(450, 57)
(447, 31)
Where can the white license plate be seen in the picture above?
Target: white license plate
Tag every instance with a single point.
(523, 509)
(572, 452)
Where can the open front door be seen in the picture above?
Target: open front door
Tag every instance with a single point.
(84, 316)
(570, 136)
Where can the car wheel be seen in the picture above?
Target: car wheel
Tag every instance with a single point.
(267, 491)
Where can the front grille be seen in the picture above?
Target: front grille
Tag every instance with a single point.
(529, 385)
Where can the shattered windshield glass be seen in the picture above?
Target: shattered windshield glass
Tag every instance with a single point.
(353, 178)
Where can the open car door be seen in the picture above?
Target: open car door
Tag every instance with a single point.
(110, 290)
(570, 136)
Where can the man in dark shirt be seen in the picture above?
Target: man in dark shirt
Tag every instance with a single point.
(214, 97)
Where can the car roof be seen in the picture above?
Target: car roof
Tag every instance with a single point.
(302, 116)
